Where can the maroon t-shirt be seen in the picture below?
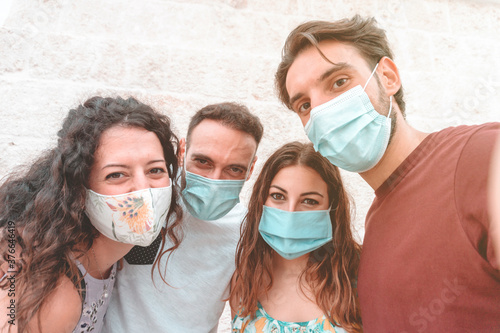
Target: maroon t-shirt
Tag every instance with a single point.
(427, 263)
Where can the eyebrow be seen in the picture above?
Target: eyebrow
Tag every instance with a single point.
(335, 68)
(279, 188)
(302, 194)
(197, 155)
(114, 166)
(309, 193)
(125, 166)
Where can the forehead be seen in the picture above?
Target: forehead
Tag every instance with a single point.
(119, 141)
(299, 178)
(310, 65)
(211, 137)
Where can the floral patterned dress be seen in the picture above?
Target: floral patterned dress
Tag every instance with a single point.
(264, 323)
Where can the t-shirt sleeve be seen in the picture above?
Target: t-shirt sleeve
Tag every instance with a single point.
(471, 181)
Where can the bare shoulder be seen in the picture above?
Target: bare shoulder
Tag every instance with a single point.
(62, 310)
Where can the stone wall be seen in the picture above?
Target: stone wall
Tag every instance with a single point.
(182, 55)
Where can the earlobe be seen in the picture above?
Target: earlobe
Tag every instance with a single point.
(389, 76)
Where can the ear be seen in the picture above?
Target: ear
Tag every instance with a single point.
(251, 167)
(389, 76)
(182, 151)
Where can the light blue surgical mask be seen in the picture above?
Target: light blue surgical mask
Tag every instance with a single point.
(293, 234)
(210, 199)
(348, 131)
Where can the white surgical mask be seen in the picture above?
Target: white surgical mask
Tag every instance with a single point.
(133, 218)
(348, 131)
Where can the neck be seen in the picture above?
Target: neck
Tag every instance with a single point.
(403, 142)
(288, 278)
(290, 267)
(107, 252)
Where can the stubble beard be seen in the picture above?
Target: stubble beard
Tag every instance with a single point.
(382, 107)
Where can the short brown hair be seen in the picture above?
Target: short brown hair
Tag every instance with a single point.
(363, 34)
(232, 115)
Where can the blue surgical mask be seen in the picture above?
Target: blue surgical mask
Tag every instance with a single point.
(348, 131)
(210, 199)
(293, 234)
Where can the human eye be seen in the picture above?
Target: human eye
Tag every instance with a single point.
(235, 171)
(157, 170)
(114, 175)
(339, 83)
(310, 202)
(201, 162)
(304, 107)
(277, 196)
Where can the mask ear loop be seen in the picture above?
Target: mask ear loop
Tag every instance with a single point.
(390, 98)
(249, 167)
(373, 72)
(390, 107)
(184, 161)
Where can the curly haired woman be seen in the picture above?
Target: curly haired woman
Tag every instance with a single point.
(80, 208)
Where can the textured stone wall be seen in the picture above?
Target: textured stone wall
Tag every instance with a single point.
(181, 55)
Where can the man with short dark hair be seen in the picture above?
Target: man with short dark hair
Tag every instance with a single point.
(427, 263)
(218, 157)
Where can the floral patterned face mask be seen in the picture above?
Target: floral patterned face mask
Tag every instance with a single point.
(132, 218)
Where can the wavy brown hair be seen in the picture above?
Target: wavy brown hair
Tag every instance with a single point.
(44, 207)
(331, 270)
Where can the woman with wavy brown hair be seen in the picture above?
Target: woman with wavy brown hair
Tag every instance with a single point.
(80, 208)
(296, 262)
